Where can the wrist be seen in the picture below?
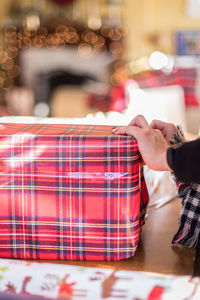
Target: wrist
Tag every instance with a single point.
(169, 158)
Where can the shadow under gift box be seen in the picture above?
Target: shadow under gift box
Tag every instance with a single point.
(69, 192)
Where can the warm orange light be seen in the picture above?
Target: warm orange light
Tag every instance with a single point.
(2, 74)
(100, 42)
(19, 43)
(100, 50)
(118, 65)
(10, 33)
(3, 56)
(1, 82)
(85, 50)
(11, 28)
(73, 37)
(27, 33)
(61, 38)
(117, 79)
(89, 37)
(50, 39)
(43, 40)
(106, 30)
(71, 29)
(115, 48)
(37, 43)
(115, 35)
(20, 36)
(14, 71)
(62, 29)
(94, 39)
(10, 36)
(67, 37)
(7, 64)
(42, 31)
(12, 52)
(27, 42)
(13, 44)
(8, 83)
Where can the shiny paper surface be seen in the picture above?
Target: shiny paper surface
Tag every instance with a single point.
(69, 192)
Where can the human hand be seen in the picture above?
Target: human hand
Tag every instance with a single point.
(168, 130)
(151, 143)
(139, 121)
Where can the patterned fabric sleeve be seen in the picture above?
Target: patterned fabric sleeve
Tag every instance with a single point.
(178, 139)
(189, 218)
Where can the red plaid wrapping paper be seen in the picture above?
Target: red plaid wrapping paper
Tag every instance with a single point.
(69, 192)
(185, 77)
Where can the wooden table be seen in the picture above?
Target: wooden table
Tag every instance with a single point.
(155, 253)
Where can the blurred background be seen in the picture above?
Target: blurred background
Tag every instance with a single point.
(101, 58)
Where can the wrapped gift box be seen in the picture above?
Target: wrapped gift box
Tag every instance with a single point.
(69, 192)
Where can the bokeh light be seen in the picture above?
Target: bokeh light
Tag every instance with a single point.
(12, 52)
(85, 50)
(3, 56)
(7, 64)
(158, 60)
(42, 31)
(89, 37)
(62, 29)
(100, 42)
(100, 50)
(115, 48)
(106, 31)
(94, 23)
(14, 71)
(8, 83)
(73, 37)
(93, 40)
(115, 35)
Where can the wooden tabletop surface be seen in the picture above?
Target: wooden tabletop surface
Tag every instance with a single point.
(155, 252)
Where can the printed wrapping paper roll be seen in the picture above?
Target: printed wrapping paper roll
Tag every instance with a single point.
(20, 280)
(69, 192)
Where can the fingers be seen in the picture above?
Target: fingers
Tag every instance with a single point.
(157, 124)
(129, 130)
(168, 129)
(162, 126)
(139, 121)
(151, 144)
(119, 130)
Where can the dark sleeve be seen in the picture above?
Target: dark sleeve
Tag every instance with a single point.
(184, 160)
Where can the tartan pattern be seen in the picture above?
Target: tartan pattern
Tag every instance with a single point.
(185, 77)
(69, 192)
(188, 232)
